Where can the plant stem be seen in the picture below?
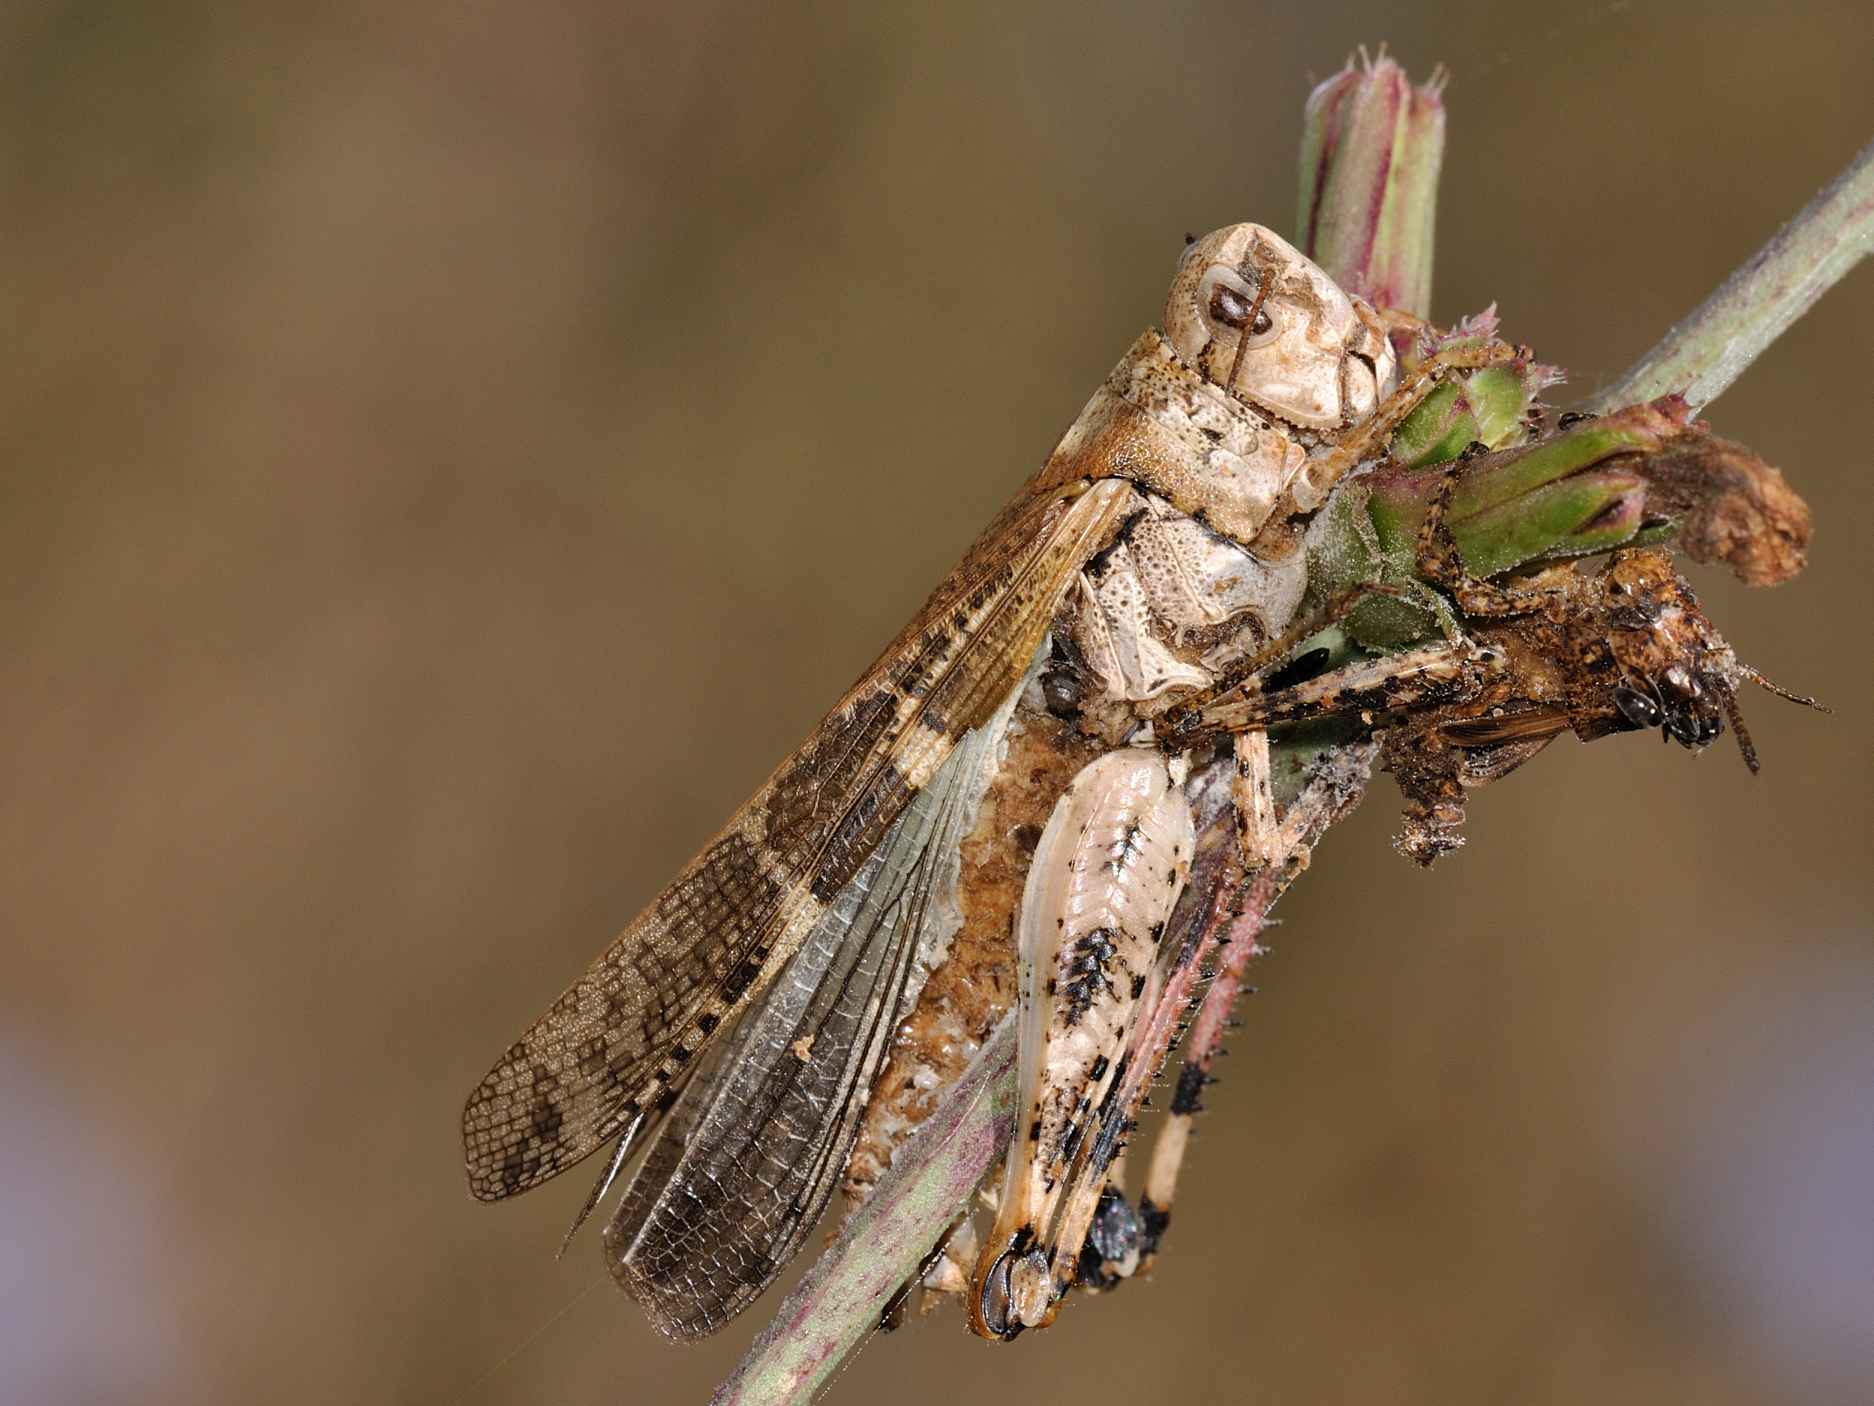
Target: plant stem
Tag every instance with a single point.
(1707, 351)
(837, 1305)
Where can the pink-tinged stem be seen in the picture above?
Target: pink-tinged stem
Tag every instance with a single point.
(837, 1305)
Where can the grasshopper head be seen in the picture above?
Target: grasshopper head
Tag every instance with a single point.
(1252, 314)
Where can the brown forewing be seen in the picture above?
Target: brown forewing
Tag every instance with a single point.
(616, 1044)
(729, 1192)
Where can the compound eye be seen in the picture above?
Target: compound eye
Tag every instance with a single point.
(1228, 306)
(1637, 708)
(1231, 306)
(1230, 301)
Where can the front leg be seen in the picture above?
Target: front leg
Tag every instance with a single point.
(1252, 796)
(1425, 676)
(1369, 439)
(1179, 723)
(1439, 562)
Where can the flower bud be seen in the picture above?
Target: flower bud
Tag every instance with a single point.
(1371, 147)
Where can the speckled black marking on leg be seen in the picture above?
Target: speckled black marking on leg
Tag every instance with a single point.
(1153, 1219)
(1191, 1083)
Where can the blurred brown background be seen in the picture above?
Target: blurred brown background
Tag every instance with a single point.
(453, 451)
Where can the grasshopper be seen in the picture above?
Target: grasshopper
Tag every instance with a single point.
(1159, 541)
(743, 1037)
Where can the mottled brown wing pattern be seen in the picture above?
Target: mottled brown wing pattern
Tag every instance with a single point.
(747, 1163)
(616, 1044)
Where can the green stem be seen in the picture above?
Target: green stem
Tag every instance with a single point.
(1706, 352)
